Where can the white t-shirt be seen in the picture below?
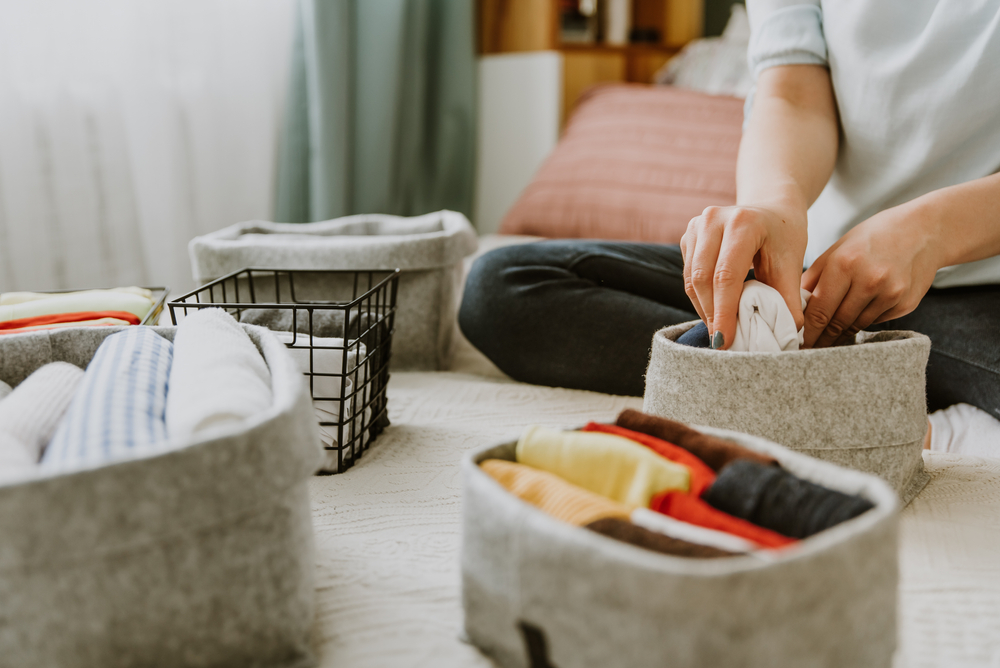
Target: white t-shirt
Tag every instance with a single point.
(917, 84)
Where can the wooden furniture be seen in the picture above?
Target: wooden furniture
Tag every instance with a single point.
(509, 26)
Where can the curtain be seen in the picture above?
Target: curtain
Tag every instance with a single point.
(128, 127)
(381, 110)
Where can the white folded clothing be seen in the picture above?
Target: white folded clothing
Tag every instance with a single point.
(668, 526)
(31, 413)
(218, 377)
(5, 389)
(965, 429)
(327, 357)
(75, 302)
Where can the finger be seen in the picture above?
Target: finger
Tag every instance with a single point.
(872, 312)
(810, 277)
(706, 253)
(852, 306)
(786, 280)
(735, 259)
(832, 287)
(687, 241)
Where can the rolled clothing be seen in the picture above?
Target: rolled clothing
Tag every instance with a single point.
(696, 337)
(94, 300)
(326, 323)
(218, 378)
(691, 533)
(701, 476)
(693, 510)
(11, 298)
(611, 466)
(626, 532)
(773, 498)
(118, 409)
(30, 415)
(764, 324)
(553, 495)
(715, 452)
(5, 389)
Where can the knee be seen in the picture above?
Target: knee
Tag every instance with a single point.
(486, 295)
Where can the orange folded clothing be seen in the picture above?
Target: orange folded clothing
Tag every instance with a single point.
(692, 510)
(701, 475)
(39, 321)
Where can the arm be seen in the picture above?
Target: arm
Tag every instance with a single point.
(882, 268)
(786, 157)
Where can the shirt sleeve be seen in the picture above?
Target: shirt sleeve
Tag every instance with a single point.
(785, 32)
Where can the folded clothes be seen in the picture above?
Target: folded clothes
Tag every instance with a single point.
(5, 389)
(11, 298)
(612, 466)
(30, 415)
(119, 406)
(326, 323)
(67, 318)
(553, 495)
(627, 532)
(693, 510)
(324, 357)
(99, 322)
(701, 475)
(218, 377)
(94, 300)
(691, 533)
(764, 323)
(775, 499)
(715, 452)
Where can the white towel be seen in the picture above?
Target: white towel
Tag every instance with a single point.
(118, 408)
(967, 430)
(30, 415)
(764, 323)
(5, 389)
(218, 378)
(668, 526)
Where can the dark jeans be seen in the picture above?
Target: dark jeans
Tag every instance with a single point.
(582, 314)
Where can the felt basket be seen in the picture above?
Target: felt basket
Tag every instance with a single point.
(198, 555)
(862, 406)
(428, 249)
(539, 592)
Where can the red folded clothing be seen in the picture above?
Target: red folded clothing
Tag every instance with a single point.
(692, 510)
(701, 475)
(58, 318)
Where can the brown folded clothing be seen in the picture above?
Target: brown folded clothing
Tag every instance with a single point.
(635, 535)
(715, 452)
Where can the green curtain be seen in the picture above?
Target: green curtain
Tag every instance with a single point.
(381, 110)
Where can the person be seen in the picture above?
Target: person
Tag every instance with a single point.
(869, 155)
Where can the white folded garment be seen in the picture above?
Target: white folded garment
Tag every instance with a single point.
(5, 389)
(11, 298)
(668, 526)
(765, 324)
(964, 429)
(31, 413)
(218, 377)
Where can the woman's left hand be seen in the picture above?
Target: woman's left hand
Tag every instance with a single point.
(878, 271)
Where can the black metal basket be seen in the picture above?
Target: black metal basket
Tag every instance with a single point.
(348, 374)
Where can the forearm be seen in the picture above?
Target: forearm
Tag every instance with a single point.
(961, 223)
(789, 148)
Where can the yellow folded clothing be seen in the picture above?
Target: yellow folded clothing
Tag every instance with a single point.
(74, 302)
(11, 298)
(552, 494)
(605, 464)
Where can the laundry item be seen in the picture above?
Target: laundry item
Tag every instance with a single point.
(764, 323)
(773, 498)
(11, 298)
(964, 429)
(625, 531)
(691, 533)
(76, 302)
(609, 465)
(696, 337)
(218, 378)
(327, 323)
(715, 452)
(119, 406)
(5, 389)
(692, 510)
(552, 494)
(30, 415)
(78, 319)
(701, 476)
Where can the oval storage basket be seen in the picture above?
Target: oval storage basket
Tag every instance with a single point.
(862, 406)
(199, 555)
(428, 249)
(539, 592)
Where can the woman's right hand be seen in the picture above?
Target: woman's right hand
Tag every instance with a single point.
(722, 244)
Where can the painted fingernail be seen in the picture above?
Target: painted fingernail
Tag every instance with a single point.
(718, 340)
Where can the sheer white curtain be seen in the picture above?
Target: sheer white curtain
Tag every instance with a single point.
(128, 127)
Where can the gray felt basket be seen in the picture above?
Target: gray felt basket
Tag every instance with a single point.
(428, 249)
(200, 555)
(539, 592)
(862, 406)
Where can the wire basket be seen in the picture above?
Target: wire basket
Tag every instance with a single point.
(338, 325)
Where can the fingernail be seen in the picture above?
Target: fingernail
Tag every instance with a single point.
(718, 340)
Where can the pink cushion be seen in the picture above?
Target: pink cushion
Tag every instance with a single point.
(636, 162)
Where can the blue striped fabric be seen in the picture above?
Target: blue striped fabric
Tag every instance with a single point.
(119, 406)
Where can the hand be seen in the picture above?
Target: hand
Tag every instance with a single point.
(878, 271)
(719, 248)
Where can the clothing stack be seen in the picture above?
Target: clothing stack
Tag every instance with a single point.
(22, 312)
(63, 418)
(663, 486)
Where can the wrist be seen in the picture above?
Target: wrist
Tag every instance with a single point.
(929, 214)
(785, 202)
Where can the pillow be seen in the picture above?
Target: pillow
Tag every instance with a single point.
(636, 162)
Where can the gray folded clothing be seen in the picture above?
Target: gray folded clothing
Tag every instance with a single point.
(325, 322)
